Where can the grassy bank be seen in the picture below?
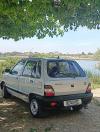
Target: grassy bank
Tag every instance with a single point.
(7, 63)
(94, 78)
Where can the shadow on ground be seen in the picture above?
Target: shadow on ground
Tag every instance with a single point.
(15, 117)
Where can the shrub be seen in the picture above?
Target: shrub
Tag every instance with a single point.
(95, 78)
(7, 63)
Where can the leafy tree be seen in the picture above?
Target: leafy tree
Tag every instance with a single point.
(28, 18)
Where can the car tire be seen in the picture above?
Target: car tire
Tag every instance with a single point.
(5, 93)
(77, 108)
(36, 108)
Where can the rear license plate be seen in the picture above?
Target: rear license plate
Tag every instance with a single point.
(73, 102)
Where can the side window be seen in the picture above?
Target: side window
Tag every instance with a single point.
(36, 72)
(17, 70)
(32, 69)
(51, 65)
(28, 68)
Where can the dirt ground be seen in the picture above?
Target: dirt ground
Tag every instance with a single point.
(15, 117)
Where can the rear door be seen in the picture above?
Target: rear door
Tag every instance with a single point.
(30, 81)
(70, 79)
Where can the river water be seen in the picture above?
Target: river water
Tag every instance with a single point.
(89, 65)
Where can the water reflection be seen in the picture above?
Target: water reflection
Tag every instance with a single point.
(89, 65)
(28, 18)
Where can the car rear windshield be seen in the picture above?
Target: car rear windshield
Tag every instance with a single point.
(63, 69)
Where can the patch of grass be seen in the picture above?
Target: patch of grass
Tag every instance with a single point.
(8, 63)
(33, 130)
(94, 86)
(94, 78)
(48, 129)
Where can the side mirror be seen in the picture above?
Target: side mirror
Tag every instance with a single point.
(14, 72)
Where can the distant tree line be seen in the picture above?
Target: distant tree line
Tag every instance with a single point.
(37, 54)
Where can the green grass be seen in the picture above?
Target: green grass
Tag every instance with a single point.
(94, 86)
(8, 63)
(94, 78)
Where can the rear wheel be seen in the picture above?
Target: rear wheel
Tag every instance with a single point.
(36, 108)
(5, 93)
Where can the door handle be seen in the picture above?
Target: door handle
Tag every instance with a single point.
(31, 81)
(72, 85)
(17, 78)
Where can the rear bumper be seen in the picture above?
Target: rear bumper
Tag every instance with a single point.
(85, 97)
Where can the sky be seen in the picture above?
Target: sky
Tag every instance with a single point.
(82, 40)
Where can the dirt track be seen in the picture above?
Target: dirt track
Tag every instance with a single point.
(15, 117)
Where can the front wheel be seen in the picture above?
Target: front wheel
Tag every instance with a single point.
(36, 108)
(5, 93)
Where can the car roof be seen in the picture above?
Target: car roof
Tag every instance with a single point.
(48, 59)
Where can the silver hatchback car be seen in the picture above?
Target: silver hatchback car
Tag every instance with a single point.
(48, 83)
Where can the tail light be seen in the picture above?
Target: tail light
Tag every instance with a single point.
(53, 104)
(88, 89)
(48, 90)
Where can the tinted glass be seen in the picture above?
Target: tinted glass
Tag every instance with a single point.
(28, 68)
(64, 69)
(36, 72)
(17, 70)
(32, 69)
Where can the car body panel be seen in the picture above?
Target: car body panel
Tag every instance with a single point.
(68, 85)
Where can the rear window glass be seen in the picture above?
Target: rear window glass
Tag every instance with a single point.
(63, 69)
